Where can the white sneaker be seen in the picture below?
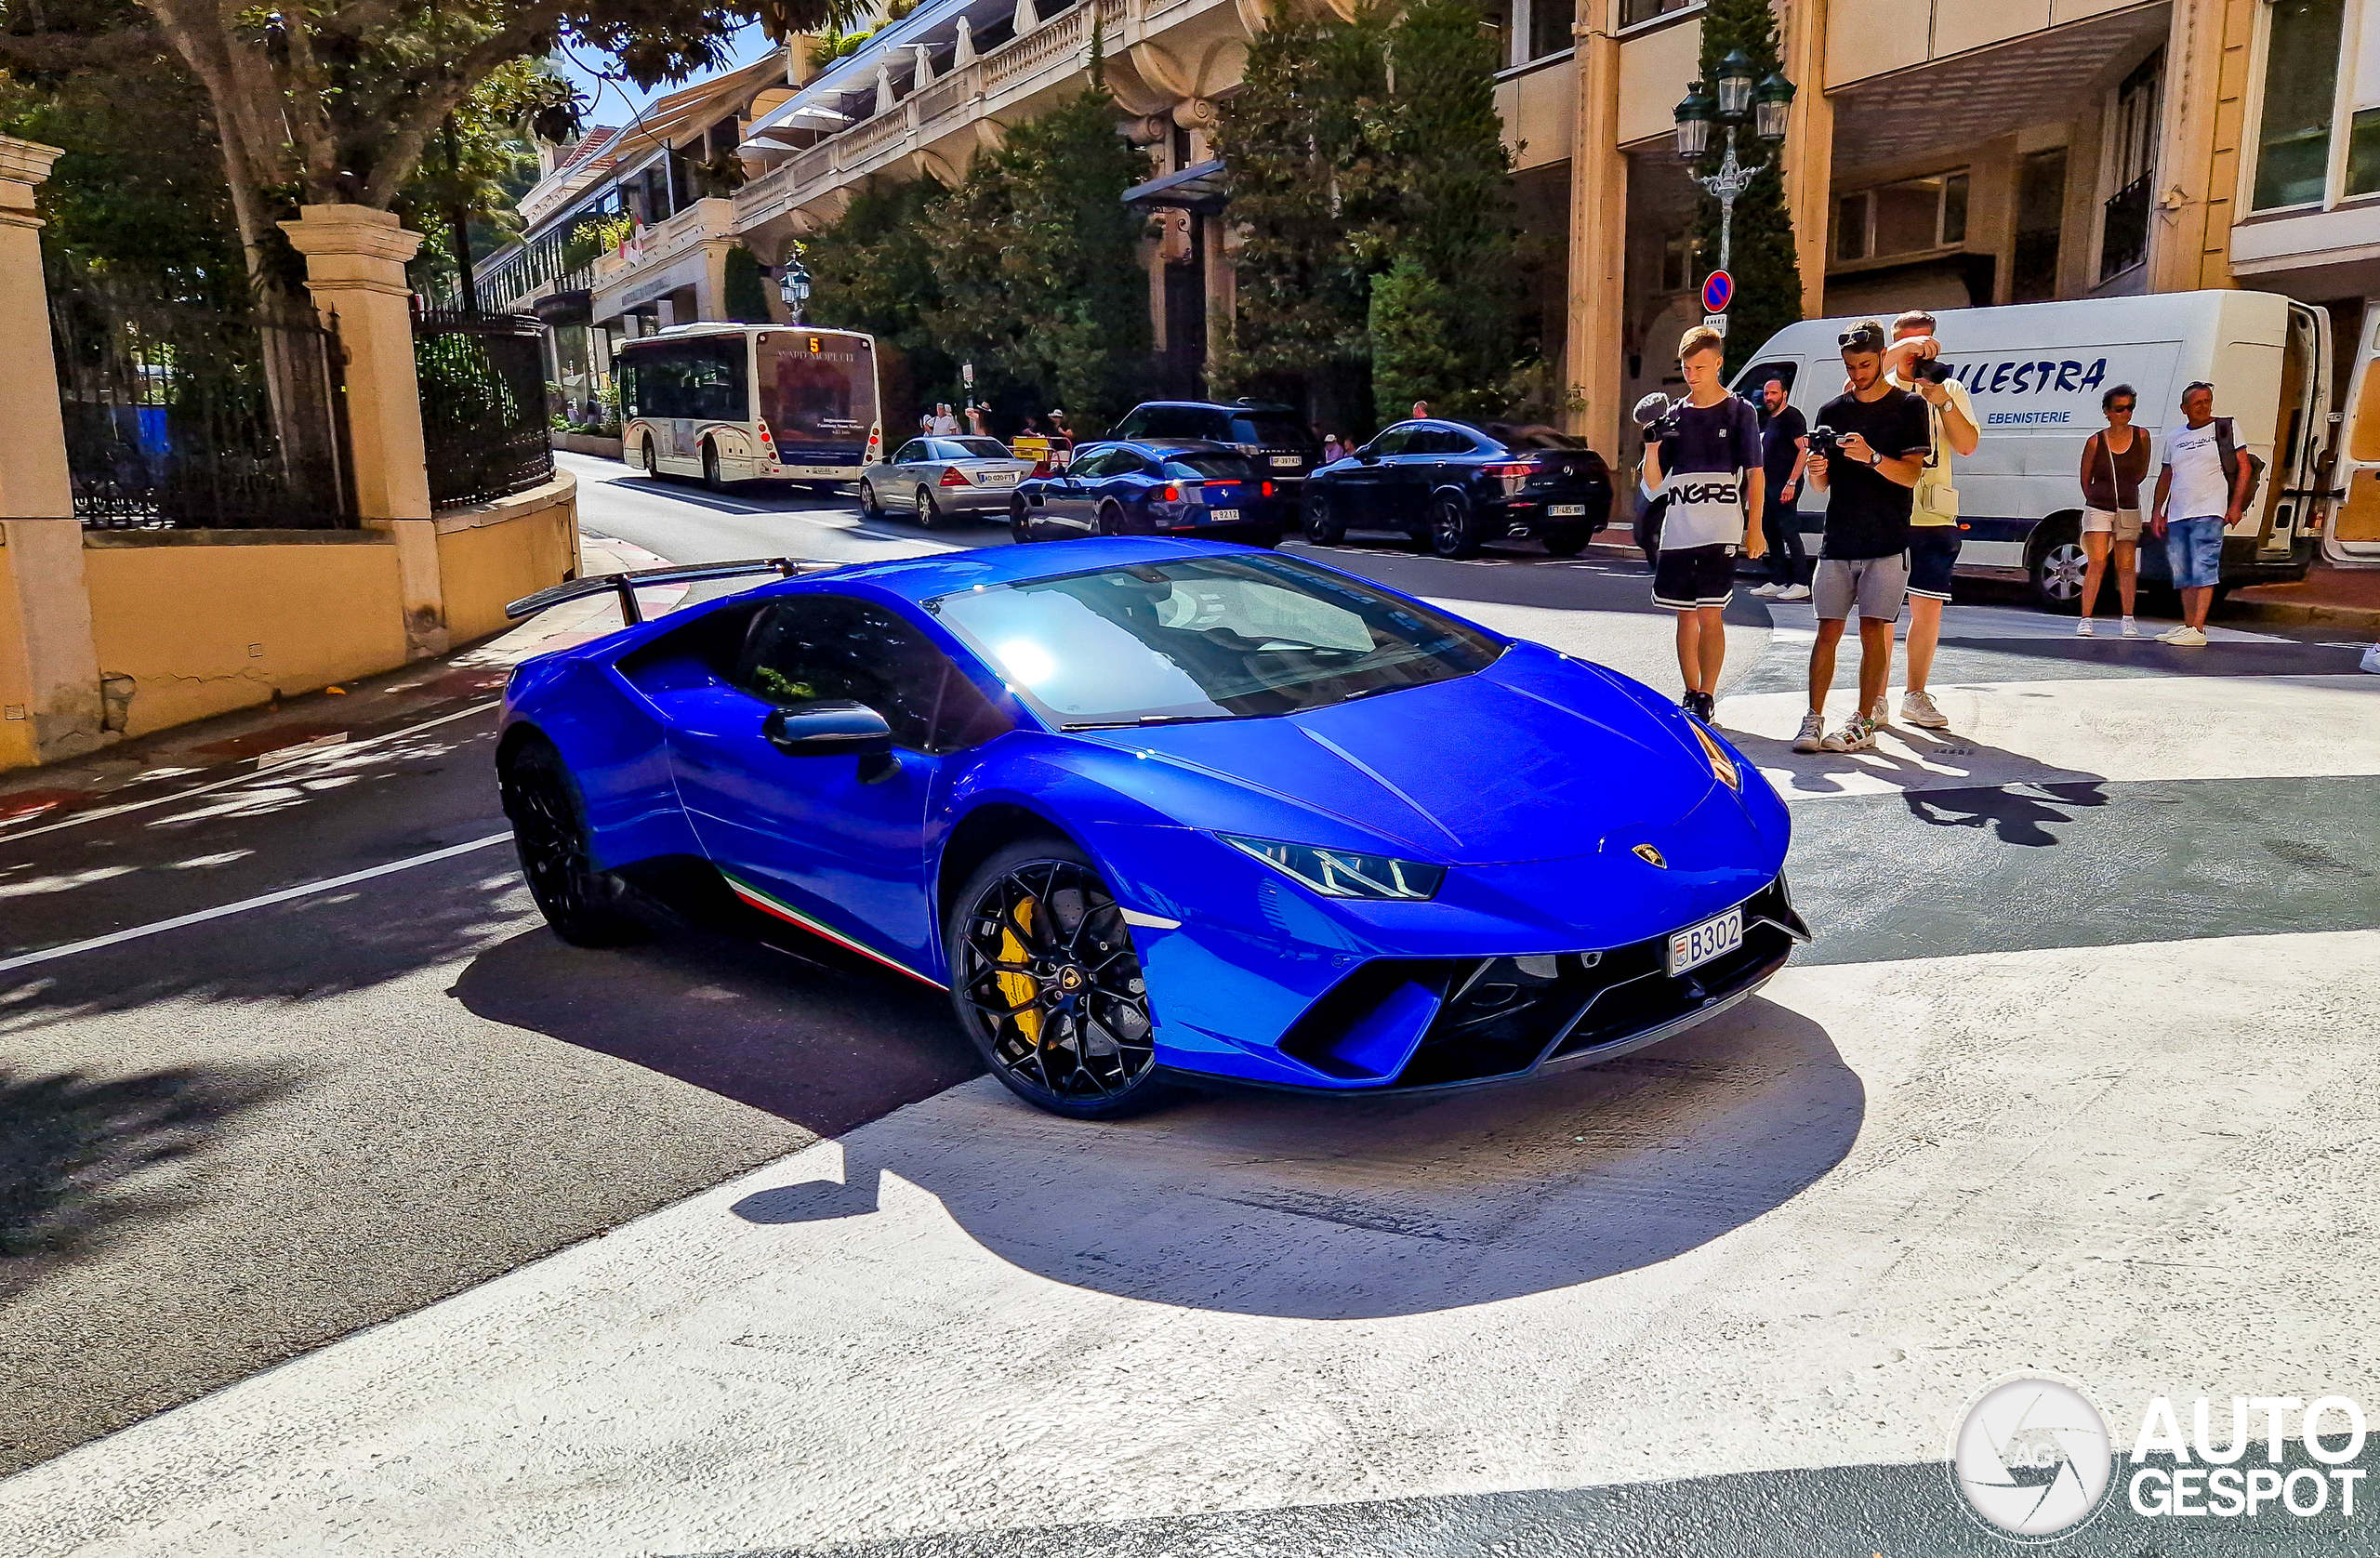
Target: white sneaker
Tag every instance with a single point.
(2131, 628)
(1767, 592)
(1881, 714)
(1813, 729)
(2184, 636)
(2083, 629)
(2370, 663)
(1916, 709)
(1795, 592)
(1856, 735)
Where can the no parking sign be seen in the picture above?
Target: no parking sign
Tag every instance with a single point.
(1718, 291)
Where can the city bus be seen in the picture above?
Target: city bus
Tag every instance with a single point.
(744, 403)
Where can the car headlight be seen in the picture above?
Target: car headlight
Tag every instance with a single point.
(1344, 872)
(1722, 765)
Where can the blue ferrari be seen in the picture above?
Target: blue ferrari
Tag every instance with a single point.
(1152, 487)
(1157, 811)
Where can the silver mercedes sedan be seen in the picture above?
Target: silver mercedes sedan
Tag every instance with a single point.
(939, 479)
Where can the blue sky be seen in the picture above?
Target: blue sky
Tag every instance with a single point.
(612, 102)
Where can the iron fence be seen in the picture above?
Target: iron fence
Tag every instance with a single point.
(182, 416)
(2123, 241)
(484, 421)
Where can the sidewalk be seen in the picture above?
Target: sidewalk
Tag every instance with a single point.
(2348, 598)
(325, 720)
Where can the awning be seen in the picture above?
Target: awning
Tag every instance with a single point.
(1199, 187)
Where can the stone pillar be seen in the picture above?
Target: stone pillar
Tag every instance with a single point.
(2189, 226)
(355, 267)
(50, 671)
(1808, 153)
(1598, 240)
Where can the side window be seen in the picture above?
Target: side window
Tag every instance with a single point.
(630, 404)
(1394, 441)
(911, 451)
(1753, 385)
(1124, 462)
(1439, 440)
(1090, 467)
(1131, 427)
(715, 380)
(815, 647)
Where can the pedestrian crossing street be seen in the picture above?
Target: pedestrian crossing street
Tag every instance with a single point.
(1727, 1295)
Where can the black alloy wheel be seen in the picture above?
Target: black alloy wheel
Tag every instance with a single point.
(585, 905)
(1568, 541)
(2058, 563)
(868, 506)
(710, 469)
(1111, 519)
(1320, 527)
(1045, 980)
(652, 459)
(1453, 534)
(929, 512)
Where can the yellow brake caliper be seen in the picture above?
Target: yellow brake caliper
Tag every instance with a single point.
(1019, 989)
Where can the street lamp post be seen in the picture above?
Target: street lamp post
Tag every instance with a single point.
(1738, 99)
(793, 286)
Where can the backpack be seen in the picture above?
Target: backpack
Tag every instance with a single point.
(2227, 447)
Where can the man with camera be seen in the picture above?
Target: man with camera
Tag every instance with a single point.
(1868, 452)
(1702, 456)
(1911, 364)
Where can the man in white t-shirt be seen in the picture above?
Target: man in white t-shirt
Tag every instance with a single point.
(2203, 499)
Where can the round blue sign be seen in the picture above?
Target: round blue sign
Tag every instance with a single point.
(1718, 291)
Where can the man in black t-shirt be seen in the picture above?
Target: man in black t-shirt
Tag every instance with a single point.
(1881, 438)
(1784, 448)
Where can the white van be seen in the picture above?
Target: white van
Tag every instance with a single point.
(2037, 371)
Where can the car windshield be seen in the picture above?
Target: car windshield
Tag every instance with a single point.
(979, 448)
(1208, 638)
(1217, 467)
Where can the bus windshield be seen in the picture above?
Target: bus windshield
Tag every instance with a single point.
(818, 392)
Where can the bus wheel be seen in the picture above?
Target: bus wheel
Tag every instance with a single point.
(2058, 565)
(652, 459)
(711, 470)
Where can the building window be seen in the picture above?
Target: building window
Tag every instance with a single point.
(2123, 227)
(1549, 26)
(1682, 264)
(2301, 92)
(1910, 216)
(2041, 217)
(1634, 11)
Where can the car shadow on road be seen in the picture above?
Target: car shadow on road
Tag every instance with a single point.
(825, 1048)
(1344, 1208)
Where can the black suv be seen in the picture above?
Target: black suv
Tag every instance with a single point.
(1275, 437)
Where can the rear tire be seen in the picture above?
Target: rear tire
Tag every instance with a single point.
(1111, 519)
(929, 513)
(1048, 986)
(586, 906)
(1320, 528)
(1568, 541)
(1453, 533)
(2056, 563)
(1019, 525)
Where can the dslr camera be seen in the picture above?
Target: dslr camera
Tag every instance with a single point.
(1825, 442)
(1658, 416)
(1929, 370)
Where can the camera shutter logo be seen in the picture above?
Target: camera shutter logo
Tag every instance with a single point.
(2031, 1459)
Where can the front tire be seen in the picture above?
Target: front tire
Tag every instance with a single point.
(1020, 523)
(1320, 527)
(1453, 533)
(652, 459)
(1111, 519)
(2056, 565)
(870, 507)
(1045, 982)
(711, 482)
(586, 906)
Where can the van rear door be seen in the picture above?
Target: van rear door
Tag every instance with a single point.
(2353, 534)
(2291, 501)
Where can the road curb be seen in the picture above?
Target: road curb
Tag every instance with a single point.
(2298, 613)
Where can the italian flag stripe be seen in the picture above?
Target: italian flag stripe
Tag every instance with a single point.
(778, 909)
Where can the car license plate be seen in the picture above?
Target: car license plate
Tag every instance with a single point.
(1222, 516)
(1291, 460)
(1567, 510)
(997, 477)
(1711, 939)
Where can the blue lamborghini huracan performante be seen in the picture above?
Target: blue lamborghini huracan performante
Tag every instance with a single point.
(1156, 812)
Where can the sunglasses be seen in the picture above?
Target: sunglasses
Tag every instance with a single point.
(2125, 408)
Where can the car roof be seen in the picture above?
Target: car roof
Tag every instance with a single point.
(919, 579)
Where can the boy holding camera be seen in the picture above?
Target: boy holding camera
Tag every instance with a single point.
(1868, 452)
(1703, 458)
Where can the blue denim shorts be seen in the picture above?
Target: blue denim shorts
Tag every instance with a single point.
(2194, 552)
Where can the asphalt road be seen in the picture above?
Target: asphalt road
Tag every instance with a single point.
(231, 1142)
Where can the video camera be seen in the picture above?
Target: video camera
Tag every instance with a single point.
(1658, 416)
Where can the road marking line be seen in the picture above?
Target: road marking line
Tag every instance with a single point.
(348, 750)
(286, 893)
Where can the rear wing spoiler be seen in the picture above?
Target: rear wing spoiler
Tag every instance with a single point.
(627, 585)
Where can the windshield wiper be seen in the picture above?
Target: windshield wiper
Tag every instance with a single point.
(1149, 719)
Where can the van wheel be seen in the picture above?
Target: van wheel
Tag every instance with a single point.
(2058, 565)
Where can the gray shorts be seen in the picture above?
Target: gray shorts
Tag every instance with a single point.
(1873, 586)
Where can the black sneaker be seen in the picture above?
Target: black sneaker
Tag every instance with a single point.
(1702, 705)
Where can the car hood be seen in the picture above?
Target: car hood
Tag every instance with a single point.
(1536, 757)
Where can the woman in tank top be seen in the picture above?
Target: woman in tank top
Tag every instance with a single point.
(2115, 461)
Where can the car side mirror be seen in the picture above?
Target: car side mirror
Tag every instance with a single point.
(833, 727)
(1366, 456)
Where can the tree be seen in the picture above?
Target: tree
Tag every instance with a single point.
(873, 269)
(1766, 271)
(747, 297)
(463, 198)
(339, 102)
